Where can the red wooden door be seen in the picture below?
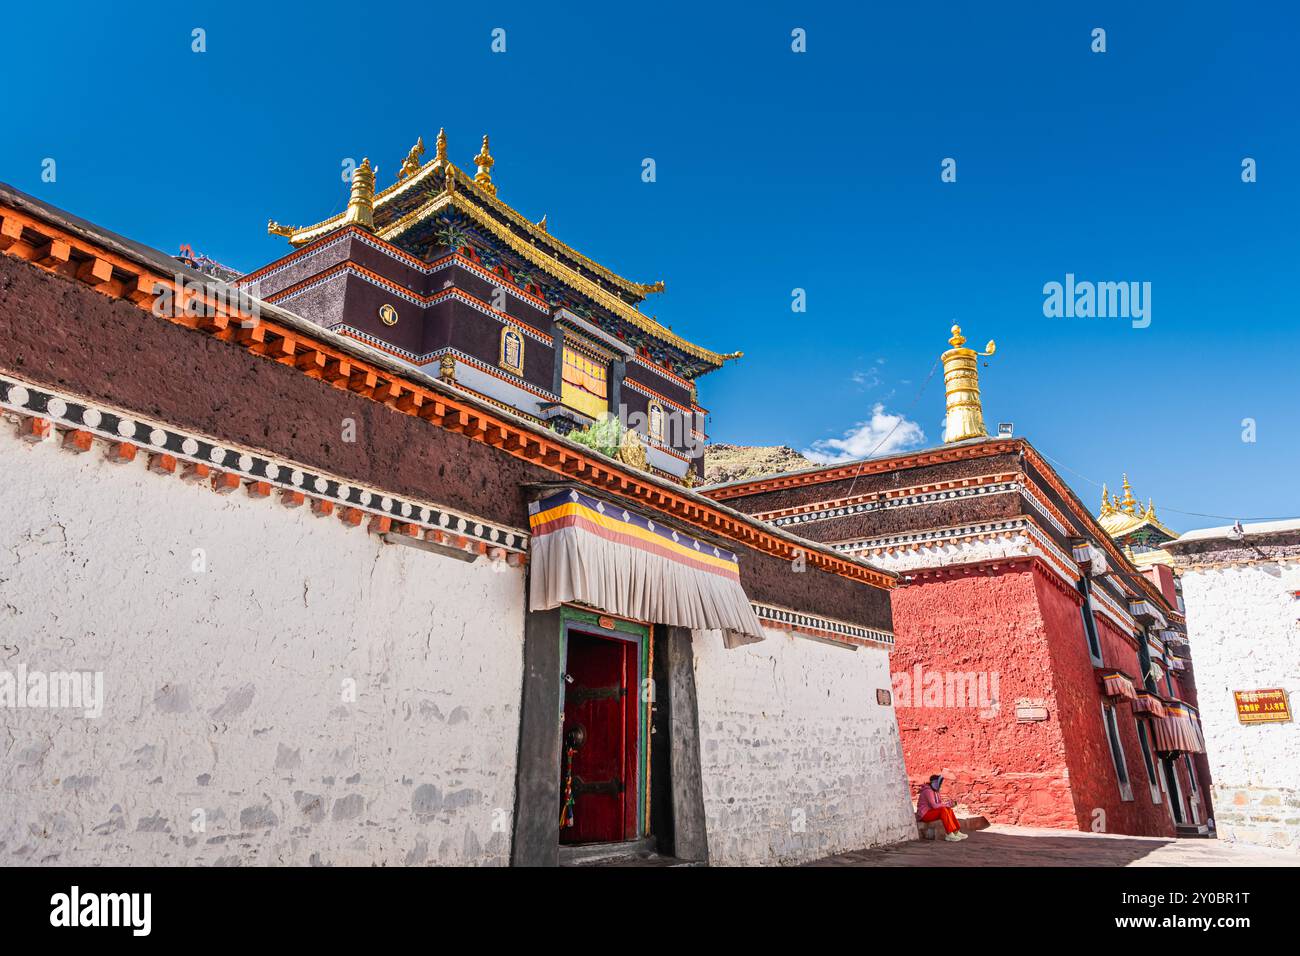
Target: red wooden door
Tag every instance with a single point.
(601, 699)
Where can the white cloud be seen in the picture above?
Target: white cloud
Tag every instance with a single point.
(866, 379)
(882, 434)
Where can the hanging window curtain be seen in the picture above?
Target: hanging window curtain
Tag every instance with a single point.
(586, 386)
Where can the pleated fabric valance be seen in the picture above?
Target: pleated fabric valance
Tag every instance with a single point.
(1178, 731)
(603, 555)
(1116, 684)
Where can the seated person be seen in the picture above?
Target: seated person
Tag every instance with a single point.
(930, 806)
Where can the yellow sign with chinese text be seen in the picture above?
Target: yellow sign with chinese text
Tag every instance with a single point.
(1262, 706)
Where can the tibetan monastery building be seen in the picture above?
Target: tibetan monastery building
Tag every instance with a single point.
(1033, 665)
(345, 561)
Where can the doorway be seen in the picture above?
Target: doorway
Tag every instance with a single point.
(604, 755)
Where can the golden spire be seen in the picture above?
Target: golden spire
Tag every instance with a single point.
(962, 387)
(1128, 501)
(440, 148)
(411, 165)
(1105, 503)
(361, 205)
(485, 162)
(1150, 513)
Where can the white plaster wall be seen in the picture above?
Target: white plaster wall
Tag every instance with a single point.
(224, 689)
(1242, 625)
(798, 759)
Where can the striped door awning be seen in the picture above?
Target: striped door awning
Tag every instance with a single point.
(1116, 684)
(603, 555)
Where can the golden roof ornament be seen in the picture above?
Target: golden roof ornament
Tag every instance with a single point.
(274, 228)
(440, 149)
(541, 224)
(361, 205)
(1105, 503)
(965, 418)
(485, 162)
(411, 165)
(1128, 502)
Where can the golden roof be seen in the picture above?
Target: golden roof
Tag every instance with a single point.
(475, 196)
(1120, 517)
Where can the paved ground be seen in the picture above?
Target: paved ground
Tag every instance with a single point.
(1033, 846)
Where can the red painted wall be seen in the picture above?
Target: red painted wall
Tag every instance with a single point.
(1097, 799)
(1023, 624)
(986, 621)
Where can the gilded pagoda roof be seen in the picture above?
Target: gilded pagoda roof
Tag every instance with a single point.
(424, 191)
(1122, 517)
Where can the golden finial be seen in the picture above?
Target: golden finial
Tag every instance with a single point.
(361, 205)
(1150, 513)
(440, 148)
(965, 417)
(1105, 503)
(1128, 501)
(541, 224)
(273, 228)
(485, 162)
(411, 165)
(449, 177)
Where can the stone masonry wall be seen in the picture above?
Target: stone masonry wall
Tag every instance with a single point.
(226, 737)
(798, 759)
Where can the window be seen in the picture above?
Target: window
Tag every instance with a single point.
(1150, 763)
(1116, 751)
(1089, 623)
(585, 385)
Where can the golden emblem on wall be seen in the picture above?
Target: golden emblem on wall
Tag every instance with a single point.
(387, 314)
(512, 350)
(631, 451)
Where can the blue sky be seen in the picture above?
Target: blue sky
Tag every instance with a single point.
(775, 171)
